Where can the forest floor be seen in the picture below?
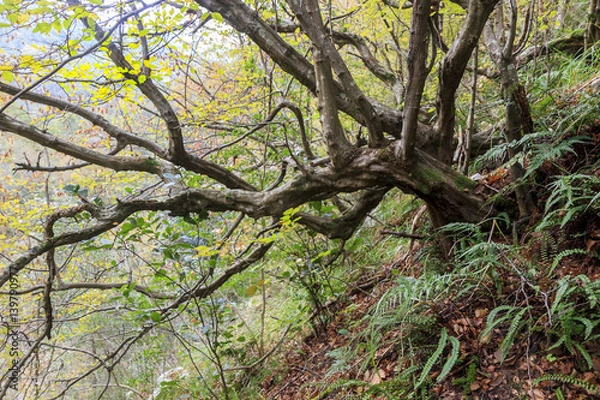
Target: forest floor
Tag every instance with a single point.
(311, 372)
(308, 376)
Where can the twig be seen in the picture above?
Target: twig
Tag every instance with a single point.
(403, 235)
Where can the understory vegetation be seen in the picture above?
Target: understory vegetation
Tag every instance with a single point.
(515, 312)
(226, 199)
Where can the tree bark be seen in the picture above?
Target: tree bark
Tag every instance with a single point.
(517, 114)
(417, 74)
(593, 26)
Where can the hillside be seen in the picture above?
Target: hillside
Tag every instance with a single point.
(345, 199)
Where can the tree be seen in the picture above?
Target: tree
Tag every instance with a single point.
(227, 132)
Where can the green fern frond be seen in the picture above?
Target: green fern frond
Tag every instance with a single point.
(433, 359)
(590, 288)
(452, 358)
(585, 354)
(588, 325)
(492, 322)
(511, 335)
(564, 287)
(548, 248)
(563, 254)
(570, 380)
(407, 372)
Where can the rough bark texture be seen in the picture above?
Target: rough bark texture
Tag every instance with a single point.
(417, 74)
(452, 70)
(593, 29)
(518, 116)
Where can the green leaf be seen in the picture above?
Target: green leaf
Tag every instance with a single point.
(72, 189)
(316, 205)
(126, 228)
(43, 28)
(155, 316)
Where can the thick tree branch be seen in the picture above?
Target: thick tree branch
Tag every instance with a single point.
(339, 147)
(309, 15)
(367, 57)
(570, 45)
(357, 41)
(343, 227)
(417, 74)
(452, 70)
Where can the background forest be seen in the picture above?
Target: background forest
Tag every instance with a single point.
(342, 199)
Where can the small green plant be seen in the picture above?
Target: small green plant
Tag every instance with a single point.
(513, 314)
(570, 380)
(433, 359)
(563, 254)
(575, 315)
(572, 196)
(466, 381)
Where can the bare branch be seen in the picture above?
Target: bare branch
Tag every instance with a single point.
(344, 226)
(452, 70)
(117, 163)
(309, 15)
(97, 286)
(122, 136)
(283, 104)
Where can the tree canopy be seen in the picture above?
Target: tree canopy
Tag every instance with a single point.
(173, 143)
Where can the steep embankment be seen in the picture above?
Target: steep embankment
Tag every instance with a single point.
(514, 315)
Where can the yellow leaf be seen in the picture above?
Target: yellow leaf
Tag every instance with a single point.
(7, 76)
(251, 290)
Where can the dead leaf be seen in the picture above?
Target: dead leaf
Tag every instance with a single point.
(375, 379)
(539, 394)
(481, 312)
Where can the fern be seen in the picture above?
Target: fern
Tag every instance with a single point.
(563, 254)
(554, 150)
(570, 380)
(405, 375)
(342, 383)
(571, 196)
(591, 289)
(511, 335)
(549, 247)
(492, 322)
(564, 288)
(433, 359)
(584, 353)
(452, 358)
